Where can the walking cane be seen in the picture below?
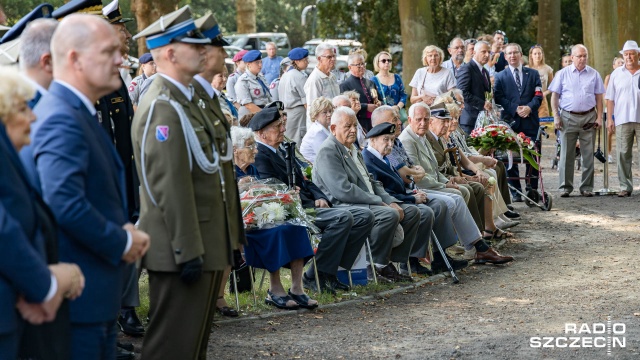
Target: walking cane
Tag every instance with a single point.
(437, 242)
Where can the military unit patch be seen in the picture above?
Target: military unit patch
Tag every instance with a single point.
(162, 133)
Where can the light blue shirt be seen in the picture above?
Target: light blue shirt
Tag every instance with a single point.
(578, 89)
(271, 68)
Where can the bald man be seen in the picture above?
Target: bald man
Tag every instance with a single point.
(82, 178)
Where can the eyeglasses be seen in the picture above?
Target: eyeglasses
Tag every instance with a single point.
(357, 65)
(327, 112)
(384, 61)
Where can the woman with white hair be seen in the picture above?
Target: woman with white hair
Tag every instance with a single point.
(321, 110)
(244, 151)
(431, 80)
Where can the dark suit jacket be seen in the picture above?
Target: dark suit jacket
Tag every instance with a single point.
(507, 95)
(271, 165)
(389, 178)
(82, 181)
(473, 87)
(353, 83)
(116, 114)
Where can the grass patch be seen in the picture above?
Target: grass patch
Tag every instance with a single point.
(246, 299)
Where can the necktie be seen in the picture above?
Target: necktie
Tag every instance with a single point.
(232, 108)
(364, 90)
(485, 77)
(264, 87)
(386, 160)
(518, 83)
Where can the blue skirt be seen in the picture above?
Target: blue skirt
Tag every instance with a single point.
(274, 248)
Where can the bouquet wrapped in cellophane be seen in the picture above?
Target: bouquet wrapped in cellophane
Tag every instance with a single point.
(500, 137)
(268, 203)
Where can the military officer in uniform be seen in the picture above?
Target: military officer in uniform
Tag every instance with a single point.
(207, 99)
(181, 194)
(235, 75)
(293, 96)
(148, 69)
(252, 92)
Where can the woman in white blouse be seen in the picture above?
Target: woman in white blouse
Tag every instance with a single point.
(431, 80)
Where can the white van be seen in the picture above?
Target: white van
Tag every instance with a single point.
(343, 46)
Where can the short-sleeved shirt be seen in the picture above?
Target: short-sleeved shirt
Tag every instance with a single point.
(623, 91)
(434, 84)
(252, 89)
(231, 83)
(577, 89)
(273, 89)
(134, 88)
(291, 89)
(271, 68)
(319, 84)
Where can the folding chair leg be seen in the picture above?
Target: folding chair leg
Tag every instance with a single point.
(315, 267)
(253, 286)
(235, 288)
(371, 263)
(409, 268)
(350, 279)
(264, 272)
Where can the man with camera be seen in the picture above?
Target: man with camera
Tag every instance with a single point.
(576, 100)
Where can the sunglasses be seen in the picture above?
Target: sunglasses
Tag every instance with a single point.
(500, 32)
(536, 46)
(384, 61)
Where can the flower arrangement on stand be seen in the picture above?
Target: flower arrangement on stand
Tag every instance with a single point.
(500, 137)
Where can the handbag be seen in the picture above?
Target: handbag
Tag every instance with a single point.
(402, 112)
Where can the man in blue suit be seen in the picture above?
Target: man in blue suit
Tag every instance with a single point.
(519, 91)
(82, 178)
(473, 80)
(381, 140)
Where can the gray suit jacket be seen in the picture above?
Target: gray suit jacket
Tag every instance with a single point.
(424, 156)
(337, 175)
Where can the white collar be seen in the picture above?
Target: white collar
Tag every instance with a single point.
(85, 100)
(434, 135)
(268, 146)
(375, 152)
(519, 68)
(185, 90)
(217, 92)
(33, 83)
(205, 84)
(478, 64)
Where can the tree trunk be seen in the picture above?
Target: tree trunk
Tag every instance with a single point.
(628, 20)
(148, 11)
(599, 28)
(416, 26)
(246, 16)
(549, 30)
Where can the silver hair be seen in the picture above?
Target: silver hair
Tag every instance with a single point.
(353, 57)
(271, 43)
(454, 39)
(378, 115)
(479, 43)
(36, 41)
(413, 107)
(340, 100)
(580, 46)
(239, 135)
(341, 112)
(322, 47)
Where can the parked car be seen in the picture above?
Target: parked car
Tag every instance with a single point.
(343, 46)
(258, 41)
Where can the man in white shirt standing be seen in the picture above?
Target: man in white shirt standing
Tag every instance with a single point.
(321, 81)
(622, 104)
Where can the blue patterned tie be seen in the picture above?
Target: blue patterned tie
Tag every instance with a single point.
(518, 83)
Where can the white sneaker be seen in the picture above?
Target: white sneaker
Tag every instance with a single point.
(610, 159)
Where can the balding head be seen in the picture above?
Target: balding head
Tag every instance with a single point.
(341, 100)
(86, 55)
(382, 114)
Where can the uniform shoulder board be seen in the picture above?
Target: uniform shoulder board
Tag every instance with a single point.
(232, 74)
(244, 77)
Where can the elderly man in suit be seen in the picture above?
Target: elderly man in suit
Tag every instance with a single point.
(473, 81)
(82, 178)
(381, 140)
(181, 194)
(519, 91)
(340, 173)
(344, 229)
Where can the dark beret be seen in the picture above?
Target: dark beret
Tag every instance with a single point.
(145, 58)
(263, 118)
(298, 53)
(440, 113)
(252, 55)
(381, 129)
(238, 56)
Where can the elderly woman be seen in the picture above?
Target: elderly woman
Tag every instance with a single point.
(291, 93)
(389, 85)
(29, 235)
(244, 151)
(252, 92)
(218, 83)
(321, 111)
(369, 97)
(431, 80)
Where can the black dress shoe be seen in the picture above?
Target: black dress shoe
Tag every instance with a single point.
(438, 265)
(415, 267)
(390, 272)
(510, 207)
(328, 283)
(512, 214)
(122, 354)
(129, 322)
(381, 279)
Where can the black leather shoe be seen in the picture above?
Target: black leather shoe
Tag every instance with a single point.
(510, 207)
(512, 214)
(310, 284)
(381, 279)
(337, 284)
(390, 272)
(438, 265)
(415, 267)
(129, 322)
(122, 354)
